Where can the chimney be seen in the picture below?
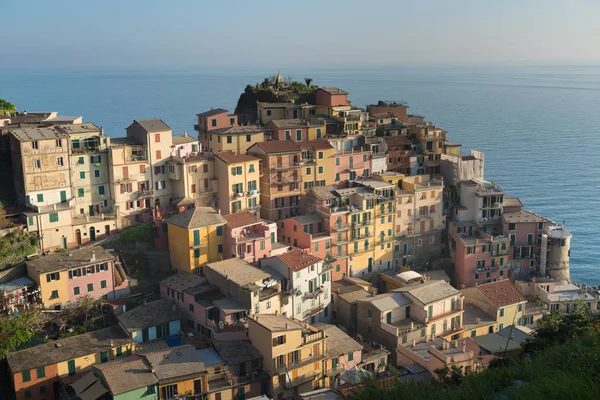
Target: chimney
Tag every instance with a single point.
(463, 346)
(286, 325)
(185, 134)
(87, 218)
(426, 338)
(412, 326)
(93, 257)
(414, 343)
(54, 207)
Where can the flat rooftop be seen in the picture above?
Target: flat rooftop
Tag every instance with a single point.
(238, 271)
(70, 259)
(148, 315)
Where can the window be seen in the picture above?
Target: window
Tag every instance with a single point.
(71, 365)
(40, 197)
(100, 189)
(219, 230)
(520, 307)
(76, 291)
(90, 287)
(298, 135)
(318, 133)
(53, 217)
(512, 227)
(229, 139)
(337, 177)
(158, 155)
(30, 221)
(82, 175)
(337, 161)
(60, 161)
(369, 313)
(104, 356)
(103, 284)
(430, 312)
(26, 376)
(196, 253)
(364, 158)
(500, 327)
(95, 159)
(423, 332)
(37, 164)
(269, 113)
(27, 393)
(80, 192)
(404, 339)
(219, 248)
(268, 303)
(279, 340)
(42, 389)
(320, 170)
(502, 312)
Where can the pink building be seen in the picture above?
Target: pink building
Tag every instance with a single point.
(331, 97)
(524, 229)
(211, 120)
(350, 165)
(295, 129)
(478, 256)
(306, 232)
(185, 145)
(248, 237)
(92, 277)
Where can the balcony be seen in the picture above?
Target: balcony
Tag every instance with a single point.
(332, 209)
(197, 127)
(312, 336)
(314, 294)
(142, 194)
(534, 308)
(283, 167)
(312, 311)
(298, 364)
(286, 180)
(127, 179)
(135, 157)
(335, 372)
(250, 237)
(221, 327)
(339, 227)
(364, 235)
(290, 383)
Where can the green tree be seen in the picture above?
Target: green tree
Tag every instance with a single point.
(5, 106)
(308, 81)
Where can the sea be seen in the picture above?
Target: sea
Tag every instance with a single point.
(539, 126)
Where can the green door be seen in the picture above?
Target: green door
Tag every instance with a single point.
(388, 318)
(370, 268)
(71, 365)
(92, 234)
(63, 242)
(63, 196)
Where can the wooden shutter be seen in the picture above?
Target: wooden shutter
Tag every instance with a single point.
(122, 188)
(130, 187)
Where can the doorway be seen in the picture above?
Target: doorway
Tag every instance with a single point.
(63, 242)
(92, 234)
(78, 236)
(106, 230)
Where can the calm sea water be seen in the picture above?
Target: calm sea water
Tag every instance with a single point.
(538, 126)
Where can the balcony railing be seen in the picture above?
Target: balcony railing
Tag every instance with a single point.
(314, 294)
(312, 311)
(290, 383)
(339, 227)
(143, 194)
(282, 167)
(286, 180)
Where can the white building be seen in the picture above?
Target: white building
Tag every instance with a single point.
(309, 281)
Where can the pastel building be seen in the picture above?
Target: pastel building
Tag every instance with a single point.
(185, 145)
(331, 97)
(155, 320)
(293, 353)
(351, 165)
(318, 164)
(196, 237)
(296, 129)
(343, 353)
(217, 118)
(281, 180)
(193, 180)
(35, 371)
(238, 183)
(236, 139)
(248, 237)
(500, 299)
(128, 378)
(307, 233)
(69, 276)
(310, 278)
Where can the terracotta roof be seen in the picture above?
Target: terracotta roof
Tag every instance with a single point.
(210, 113)
(297, 259)
(396, 140)
(240, 219)
(318, 144)
(501, 293)
(229, 157)
(333, 90)
(279, 146)
(126, 374)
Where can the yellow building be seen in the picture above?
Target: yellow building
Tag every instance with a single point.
(294, 353)
(196, 237)
(499, 299)
(318, 163)
(193, 179)
(238, 184)
(179, 370)
(236, 138)
(267, 112)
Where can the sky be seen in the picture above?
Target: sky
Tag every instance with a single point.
(285, 33)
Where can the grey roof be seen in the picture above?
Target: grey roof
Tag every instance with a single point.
(68, 349)
(230, 305)
(70, 259)
(37, 133)
(128, 141)
(176, 363)
(238, 271)
(523, 216)
(277, 322)
(235, 352)
(210, 113)
(72, 129)
(358, 293)
(324, 192)
(7, 287)
(389, 301)
(184, 139)
(474, 317)
(290, 123)
(183, 280)
(333, 90)
(209, 356)
(197, 218)
(127, 374)
(89, 387)
(153, 125)
(429, 291)
(148, 315)
(338, 342)
(507, 339)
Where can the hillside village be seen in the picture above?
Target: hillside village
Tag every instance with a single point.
(307, 245)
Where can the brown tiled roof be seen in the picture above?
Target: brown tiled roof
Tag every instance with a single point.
(396, 140)
(279, 146)
(229, 157)
(244, 218)
(318, 144)
(297, 259)
(213, 112)
(501, 293)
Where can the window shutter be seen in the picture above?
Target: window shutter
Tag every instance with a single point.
(139, 186)
(47, 277)
(122, 188)
(130, 187)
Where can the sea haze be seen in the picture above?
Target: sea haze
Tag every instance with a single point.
(539, 126)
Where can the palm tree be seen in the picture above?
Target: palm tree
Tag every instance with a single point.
(308, 81)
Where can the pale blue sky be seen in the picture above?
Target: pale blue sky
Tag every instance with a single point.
(285, 33)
